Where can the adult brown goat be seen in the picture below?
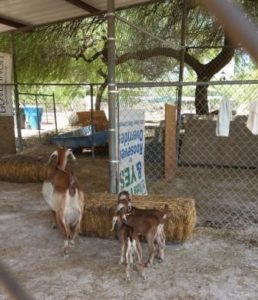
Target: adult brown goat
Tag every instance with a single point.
(64, 196)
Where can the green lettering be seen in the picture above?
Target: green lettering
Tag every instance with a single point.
(127, 176)
(133, 175)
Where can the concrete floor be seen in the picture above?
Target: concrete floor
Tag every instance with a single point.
(213, 264)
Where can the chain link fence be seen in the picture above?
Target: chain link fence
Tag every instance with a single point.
(219, 172)
(185, 156)
(195, 73)
(52, 109)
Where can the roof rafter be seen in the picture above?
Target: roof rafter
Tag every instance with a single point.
(83, 5)
(10, 22)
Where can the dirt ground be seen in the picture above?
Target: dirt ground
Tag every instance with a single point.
(212, 264)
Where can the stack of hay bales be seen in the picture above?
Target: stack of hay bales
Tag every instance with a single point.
(99, 210)
(22, 168)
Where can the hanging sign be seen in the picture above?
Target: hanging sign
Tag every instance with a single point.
(131, 152)
(6, 107)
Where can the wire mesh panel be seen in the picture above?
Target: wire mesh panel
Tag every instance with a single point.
(217, 153)
(48, 109)
(152, 101)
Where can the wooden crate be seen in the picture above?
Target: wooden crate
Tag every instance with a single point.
(100, 121)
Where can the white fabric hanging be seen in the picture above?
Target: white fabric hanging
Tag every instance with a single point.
(252, 121)
(224, 118)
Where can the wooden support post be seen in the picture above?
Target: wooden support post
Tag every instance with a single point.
(7, 139)
(170, 141)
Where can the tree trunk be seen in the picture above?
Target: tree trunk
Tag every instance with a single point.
(201, 99)
(206, 72)
(100, 94)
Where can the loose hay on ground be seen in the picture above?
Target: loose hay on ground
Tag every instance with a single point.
(99, 210)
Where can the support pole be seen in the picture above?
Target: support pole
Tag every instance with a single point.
(54, 106)
(112, 98)
(92, 122)
(16, 96)
(37, 109)
(181, 75)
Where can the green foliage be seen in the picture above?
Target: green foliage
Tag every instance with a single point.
(5, 43)
(76, 51)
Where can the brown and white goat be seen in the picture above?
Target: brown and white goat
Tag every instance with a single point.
(130, 245)
(64, 196)
(155, 216)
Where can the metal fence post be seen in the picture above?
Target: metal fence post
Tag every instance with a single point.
(54, 106)
(181, 77)
(92, 121)
(112, 95)
(37, 108)
(16, 95)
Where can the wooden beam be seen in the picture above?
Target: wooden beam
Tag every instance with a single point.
(170, 141)
(83, 5)
(10, 22)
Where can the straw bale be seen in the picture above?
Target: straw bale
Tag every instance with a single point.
(99, 210)
(22, 168)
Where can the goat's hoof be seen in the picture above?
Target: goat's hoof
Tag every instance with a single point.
(71, 243)
(54, 226)
(128, 278)
(160, 259)
(148, 264)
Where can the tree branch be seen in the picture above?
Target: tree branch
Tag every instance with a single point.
(160, 51)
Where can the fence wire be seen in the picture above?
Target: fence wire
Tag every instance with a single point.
(219, 172)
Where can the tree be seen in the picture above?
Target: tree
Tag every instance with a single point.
(201, 31)
(78, 49)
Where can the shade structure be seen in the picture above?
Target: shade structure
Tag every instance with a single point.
(26, 14)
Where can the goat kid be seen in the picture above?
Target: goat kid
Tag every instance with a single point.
(124, 205)
(148, 226)
(130, 245)
(64, 196)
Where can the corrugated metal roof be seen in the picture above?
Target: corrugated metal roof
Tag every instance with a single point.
(22, 13)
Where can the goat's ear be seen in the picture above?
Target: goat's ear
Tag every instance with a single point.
(130, 204)
(124, 219)
(130, 198)
(166, 207)
(114, 221)
(118, 196)
(70, 153)
(55, 153)
(119, 207)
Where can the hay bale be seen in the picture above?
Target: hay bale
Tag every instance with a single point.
(99, 210)
(22, 168)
